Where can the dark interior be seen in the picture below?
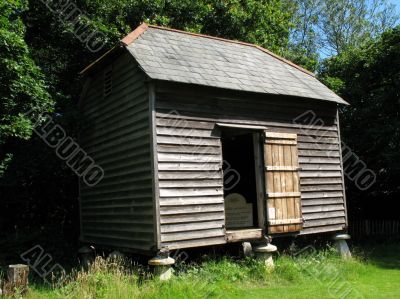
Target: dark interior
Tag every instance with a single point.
(238, 155)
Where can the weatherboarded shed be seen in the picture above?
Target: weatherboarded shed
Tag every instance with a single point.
(206, 141)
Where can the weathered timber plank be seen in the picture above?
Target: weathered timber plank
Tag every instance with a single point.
(191, 209)
(198, 234)
(192, 226)
(243, 234)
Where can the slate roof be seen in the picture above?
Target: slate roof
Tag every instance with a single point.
(178, 56)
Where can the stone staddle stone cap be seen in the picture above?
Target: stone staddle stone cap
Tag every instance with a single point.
(342, 237)
(159, 261)
(18, 266)
(265, 248)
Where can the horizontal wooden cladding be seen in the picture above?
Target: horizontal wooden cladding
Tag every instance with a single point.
(321, 181)
(323, 229)
(318, 146)
(115, 141)
(209, 141)
(320, 167)
(119, 184)
(123, 222)
(317, 140)
(130, 218)
(127, 177)
(322, 201)
(114, 208)
(183, 132)
(112, 241)
(119, 210)
(117, 228)
(190, 183)
(194, 200)
(192, 226)
(123, 109)
(320, 153)
(320, 174)
(135, 121)
(188, 175)
(323, 194)
(111, 111)
(99, 103)
(173, 192)
(331, 187)
(120, 120)
(177, 166)
(192, 157)
(196, 217)
(135, 204)
(324, 215)
(188, 149)
(195, 234)
(187, 136)
(126, 189)
(318, 160)
(191, 209)
(207, 121)
(324, 220)
(204, 241)
(323, 208)
(240, 107)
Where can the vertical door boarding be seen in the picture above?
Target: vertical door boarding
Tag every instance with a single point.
(282, 183)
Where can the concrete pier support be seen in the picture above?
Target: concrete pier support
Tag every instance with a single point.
(341, 245)
(247, 249)
(162, 266)
(86, 256)
(17, 280)
(265, 253)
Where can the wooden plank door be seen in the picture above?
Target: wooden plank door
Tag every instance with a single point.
(282, 183)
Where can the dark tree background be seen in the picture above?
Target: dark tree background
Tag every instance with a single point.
(368, 78)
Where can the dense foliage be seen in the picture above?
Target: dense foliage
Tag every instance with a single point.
(22, 85)
(369, 79)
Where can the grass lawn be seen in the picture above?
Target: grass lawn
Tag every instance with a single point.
(375, 273)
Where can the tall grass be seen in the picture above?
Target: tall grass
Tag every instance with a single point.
(209, 278)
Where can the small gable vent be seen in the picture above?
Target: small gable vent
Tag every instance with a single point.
(107, 83)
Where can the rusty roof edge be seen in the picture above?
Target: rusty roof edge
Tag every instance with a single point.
(131, 37)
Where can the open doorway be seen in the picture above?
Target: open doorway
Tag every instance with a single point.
(240, 191)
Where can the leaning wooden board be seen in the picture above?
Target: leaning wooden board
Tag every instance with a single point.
(282, 183)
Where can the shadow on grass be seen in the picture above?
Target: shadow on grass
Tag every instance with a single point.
(383, 255)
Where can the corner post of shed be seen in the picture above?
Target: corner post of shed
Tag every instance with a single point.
(151, 88)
